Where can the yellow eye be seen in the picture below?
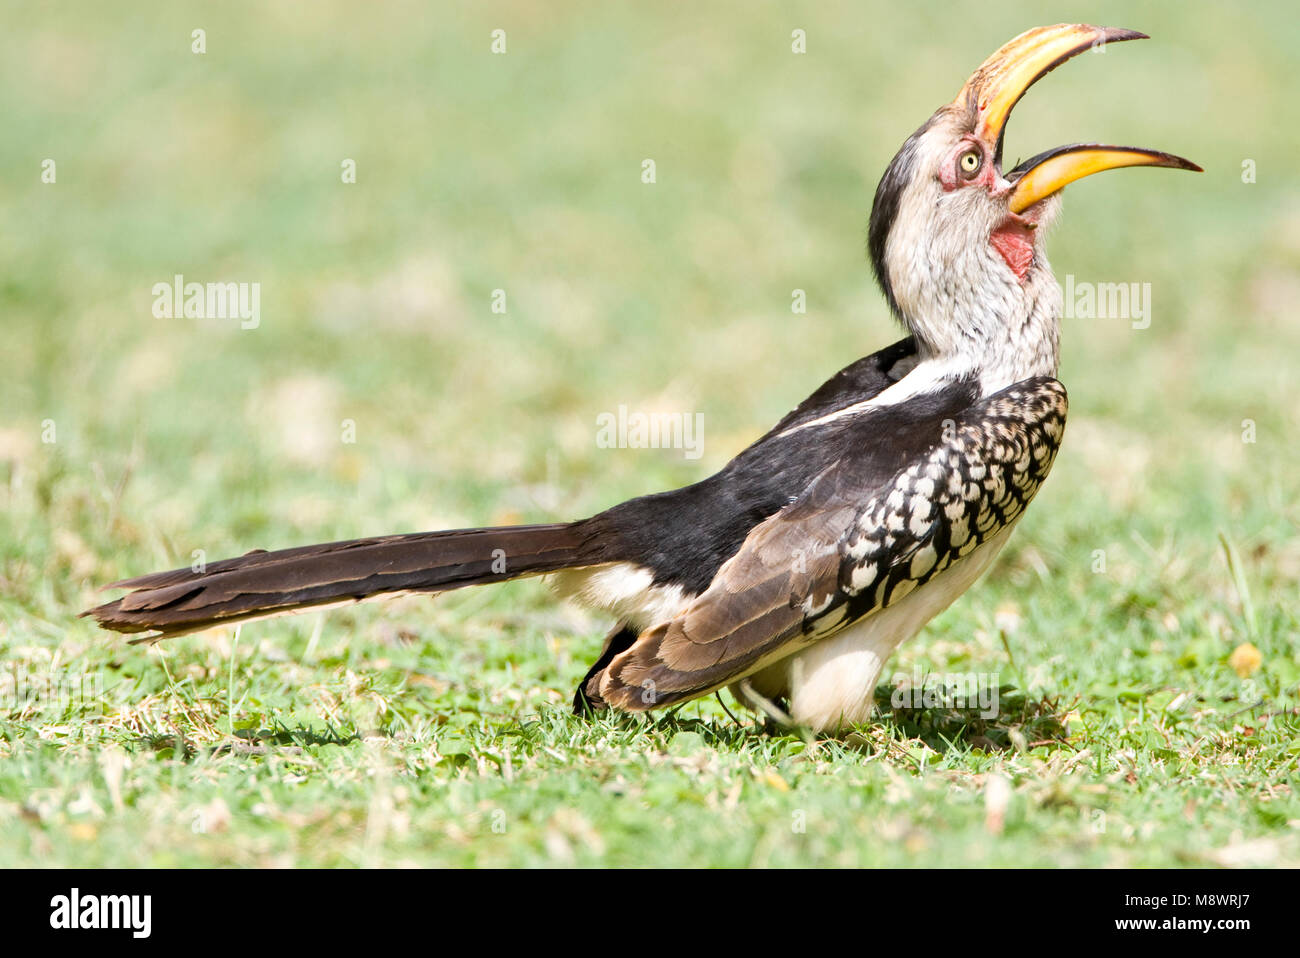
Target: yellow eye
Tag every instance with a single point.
(970, 161)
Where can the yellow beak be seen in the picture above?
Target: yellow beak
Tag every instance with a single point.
(997, 86)
(1042, 175)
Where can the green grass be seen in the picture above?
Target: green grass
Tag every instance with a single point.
(436, 732)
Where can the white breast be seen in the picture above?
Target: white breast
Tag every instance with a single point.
(831, 685)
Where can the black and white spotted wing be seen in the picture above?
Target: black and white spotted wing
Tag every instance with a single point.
(848, 548)
(976, 482)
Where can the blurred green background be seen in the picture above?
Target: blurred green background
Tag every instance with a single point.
(522, 172)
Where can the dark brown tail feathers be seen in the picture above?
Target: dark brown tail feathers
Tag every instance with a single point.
(268, 583)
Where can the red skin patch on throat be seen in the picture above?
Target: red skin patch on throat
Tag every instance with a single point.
(1014, 242)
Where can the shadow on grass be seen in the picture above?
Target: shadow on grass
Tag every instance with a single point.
(1009, 719)
(1005, 720)
(250, 742)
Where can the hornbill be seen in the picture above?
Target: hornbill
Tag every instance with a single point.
(793, 573)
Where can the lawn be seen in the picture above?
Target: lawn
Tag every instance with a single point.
(1140, 630)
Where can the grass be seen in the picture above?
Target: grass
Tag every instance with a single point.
(1134, 725)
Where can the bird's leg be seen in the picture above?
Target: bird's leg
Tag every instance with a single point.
(755, 701)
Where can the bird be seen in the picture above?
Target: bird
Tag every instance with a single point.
(790, 576)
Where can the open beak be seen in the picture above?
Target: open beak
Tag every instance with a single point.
(997, 86)
(1042, 175)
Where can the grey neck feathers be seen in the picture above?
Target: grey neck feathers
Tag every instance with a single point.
(971, 316)
(931, 251)
(1000, 333)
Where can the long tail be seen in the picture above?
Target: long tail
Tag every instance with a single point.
(269, 583)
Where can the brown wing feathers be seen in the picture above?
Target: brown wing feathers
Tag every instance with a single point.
(850, 545)
(753, 609)
(267, 583)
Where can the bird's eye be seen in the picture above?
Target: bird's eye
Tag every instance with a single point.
(970, 162)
